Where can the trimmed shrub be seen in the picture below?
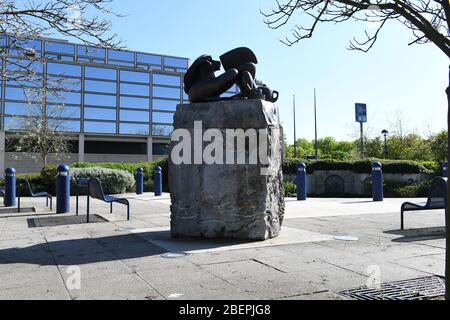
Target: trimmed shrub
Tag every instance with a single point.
(149, 170)
(48, 176)
(402, 190)
(113, 181)
(360, 166)
(290, 189)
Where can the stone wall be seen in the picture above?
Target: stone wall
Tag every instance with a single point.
(344, 181)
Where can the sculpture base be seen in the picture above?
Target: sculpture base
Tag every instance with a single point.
(240, 201)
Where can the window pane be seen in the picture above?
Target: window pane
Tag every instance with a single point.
(131, 115)
(99, 100)
(70, 126)
(121, 55)
(175, 62)
(160, 149)
(21, 94)
(100, 86)
(24, 65)
(23, 83)
(99, 114)
(64, 97)
(139, 103)
(12, 123)
(169, 105)
(166, 80)
(132, 76)
(162, 117)
(134, 89)
(64, 69)
(21, 44)
(63, 111)
(161, 130)
(121, 63)
(91, 52)
(99, 127)
(163, 92)
(59, 47)
(67, 58)
(148, 58)
(17, 108)
(64, 83)
(101, 73)
(134, 128)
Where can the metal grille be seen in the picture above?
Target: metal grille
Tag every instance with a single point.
(413, 289)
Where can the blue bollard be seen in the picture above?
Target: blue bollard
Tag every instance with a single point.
(377, 182)
(10, 187)
(140, 181)
(301, 182)
(445, 169)
(158, 181)
(63, 189)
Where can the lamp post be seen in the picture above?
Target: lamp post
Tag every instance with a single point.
(385, 133)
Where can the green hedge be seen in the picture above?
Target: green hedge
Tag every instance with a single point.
(113, 181)
(35, 179)
(149, 170)
(361, 166)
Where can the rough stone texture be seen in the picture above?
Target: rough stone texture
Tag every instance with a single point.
(228, 200)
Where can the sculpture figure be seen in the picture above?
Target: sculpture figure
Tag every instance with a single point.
(202, 85)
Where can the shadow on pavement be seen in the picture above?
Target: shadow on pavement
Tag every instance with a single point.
(81, 251)
(420, 234)
(62, 220)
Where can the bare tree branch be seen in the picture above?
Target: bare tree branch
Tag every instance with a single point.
(428, 20)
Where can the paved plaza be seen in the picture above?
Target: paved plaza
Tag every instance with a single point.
(42, 254)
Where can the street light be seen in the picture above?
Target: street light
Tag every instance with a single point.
(385, 133)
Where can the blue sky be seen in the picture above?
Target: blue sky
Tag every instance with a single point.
(393, 76)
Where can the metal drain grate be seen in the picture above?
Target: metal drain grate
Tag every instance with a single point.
(413, 289)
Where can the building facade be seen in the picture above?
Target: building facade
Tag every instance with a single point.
(117, 105)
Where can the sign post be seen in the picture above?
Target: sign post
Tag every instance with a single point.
(361, 117)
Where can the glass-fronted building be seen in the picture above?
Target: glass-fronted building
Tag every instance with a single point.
(117, 105)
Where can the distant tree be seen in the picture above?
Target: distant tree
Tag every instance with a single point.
(373, 148)
(304, 148)
(42, 127)
(439, 146)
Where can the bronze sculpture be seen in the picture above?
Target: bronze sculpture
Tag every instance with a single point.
(202, 85)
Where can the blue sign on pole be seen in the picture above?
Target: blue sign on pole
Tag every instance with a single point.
(361, 112)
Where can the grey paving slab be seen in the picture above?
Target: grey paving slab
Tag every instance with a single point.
(192, 282)
(118, 287)
(40, 290)
(122, 259)
(155, 263)
(94, 270)
(429, 264)
(15, 275)
(267, 282)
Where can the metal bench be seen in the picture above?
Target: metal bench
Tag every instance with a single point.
(27, 185)
(80, 183)
(437, 199)
(95, 191)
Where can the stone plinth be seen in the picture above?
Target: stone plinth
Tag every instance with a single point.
(229, 196)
